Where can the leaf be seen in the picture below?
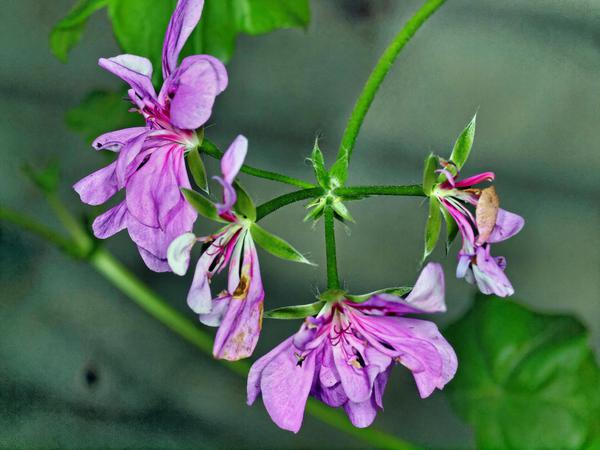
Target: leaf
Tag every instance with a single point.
(318, 163)
(244, 204)
(201, 204)
(429, 175)
(525, 380)
(100, 112)
(462, 146)
(432, 227)
(275, 245)
(339, 171)
(451, 228)
(47, 179)
(196, 166)
(67, 33)
(397, 291)
(140, 29)
(295, 312)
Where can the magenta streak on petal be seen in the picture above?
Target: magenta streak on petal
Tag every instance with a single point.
(464, 226)
(476, 179)
(449, 178)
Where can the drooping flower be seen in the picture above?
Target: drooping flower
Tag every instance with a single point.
(150, 164)
(238, 309)
(488, 225)
(343, 357)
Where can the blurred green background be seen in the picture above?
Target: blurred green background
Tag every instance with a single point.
(82, 366)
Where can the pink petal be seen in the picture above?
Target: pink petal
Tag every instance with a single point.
(115, 140)
(111, 222)
(254, 376)
(507, 225)
(99, 186)
(134, 70)
(475, 179)
(361, 414)
(178, 253)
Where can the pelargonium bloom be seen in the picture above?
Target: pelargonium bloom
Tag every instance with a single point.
(237, 310)
(150, 165)
(343, 357)
(489, 224)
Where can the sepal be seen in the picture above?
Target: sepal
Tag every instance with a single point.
(432, 227)
(295, 312)
(429, 174)
(244, 204)
(397, 291)
(276, 246)
(462, 146)
(202, 205)
(197, 169)
(318, 163)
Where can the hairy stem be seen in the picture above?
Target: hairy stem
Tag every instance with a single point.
(379, 72)
(212, 150)
(285, 199)
(414, 190)
(333, 281)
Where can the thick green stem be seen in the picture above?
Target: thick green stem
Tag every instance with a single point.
(379, 72)
(414, 190)
(333, 281)
(212, 150)
(285, 199)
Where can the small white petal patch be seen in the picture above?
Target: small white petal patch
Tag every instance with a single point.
(178, 253)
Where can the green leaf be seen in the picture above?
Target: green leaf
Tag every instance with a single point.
(432, 227)
(429, 175)
(318, 163)
(140, 29)
(201, 204)
(67, 33)
(275, 245)
(196, 166)
(397, 291)
(295, 312)
(339, 171)
(525, 380)
(451, 228)
(100, 112)
(244, 204)
(462, 146)
(47, 179)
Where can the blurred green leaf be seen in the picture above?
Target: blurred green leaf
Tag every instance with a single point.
(275, 245)
(201, 204)
(197, 169)
(100, 112)
(462, 146)
(432, 227)
(451, 228)
(295, 312)
(429, 175)
(318, 163)
(525, 380)
(140, 29)
(67, 33)
(244, 204)
(47, 179)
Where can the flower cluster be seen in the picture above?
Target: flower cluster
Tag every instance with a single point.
(346, 347)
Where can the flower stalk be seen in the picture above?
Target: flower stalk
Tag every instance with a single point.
(333, 281)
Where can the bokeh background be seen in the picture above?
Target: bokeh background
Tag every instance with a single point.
(82, 366)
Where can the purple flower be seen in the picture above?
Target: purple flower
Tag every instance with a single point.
(489, 224)
(150, 163)
(237, 310)
(344, 356)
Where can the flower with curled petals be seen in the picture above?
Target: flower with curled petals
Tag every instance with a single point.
(150, 164)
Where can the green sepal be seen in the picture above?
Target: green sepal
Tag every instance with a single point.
(338, 174)
(67, 32)
(295, 312)
(244, 204)
(397, 291)
(276, 246)
(432, 227)
(429, 175)
(318, 163)
(462, 146)
(316, 207)
(196, 166)
(202, 205)
(451, 228)
(341, 211)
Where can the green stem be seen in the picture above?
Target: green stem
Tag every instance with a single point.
(414, 190)
(379, 72)
(212, 150)
(285, 199)
(333, 281)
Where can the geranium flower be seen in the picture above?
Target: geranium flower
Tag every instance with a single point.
(150, 165)
(489, 224)
(237, 310)
(344, 356)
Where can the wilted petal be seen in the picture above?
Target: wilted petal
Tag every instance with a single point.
(99, 186)
(110, 222)
(486, 213)
(199, 297)
(178, 253)
(134, 70)
(361, 414)
(489, 276)
(192, 89)
(183, 21)
(507, 225)
(219, 308)
(115, 140)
